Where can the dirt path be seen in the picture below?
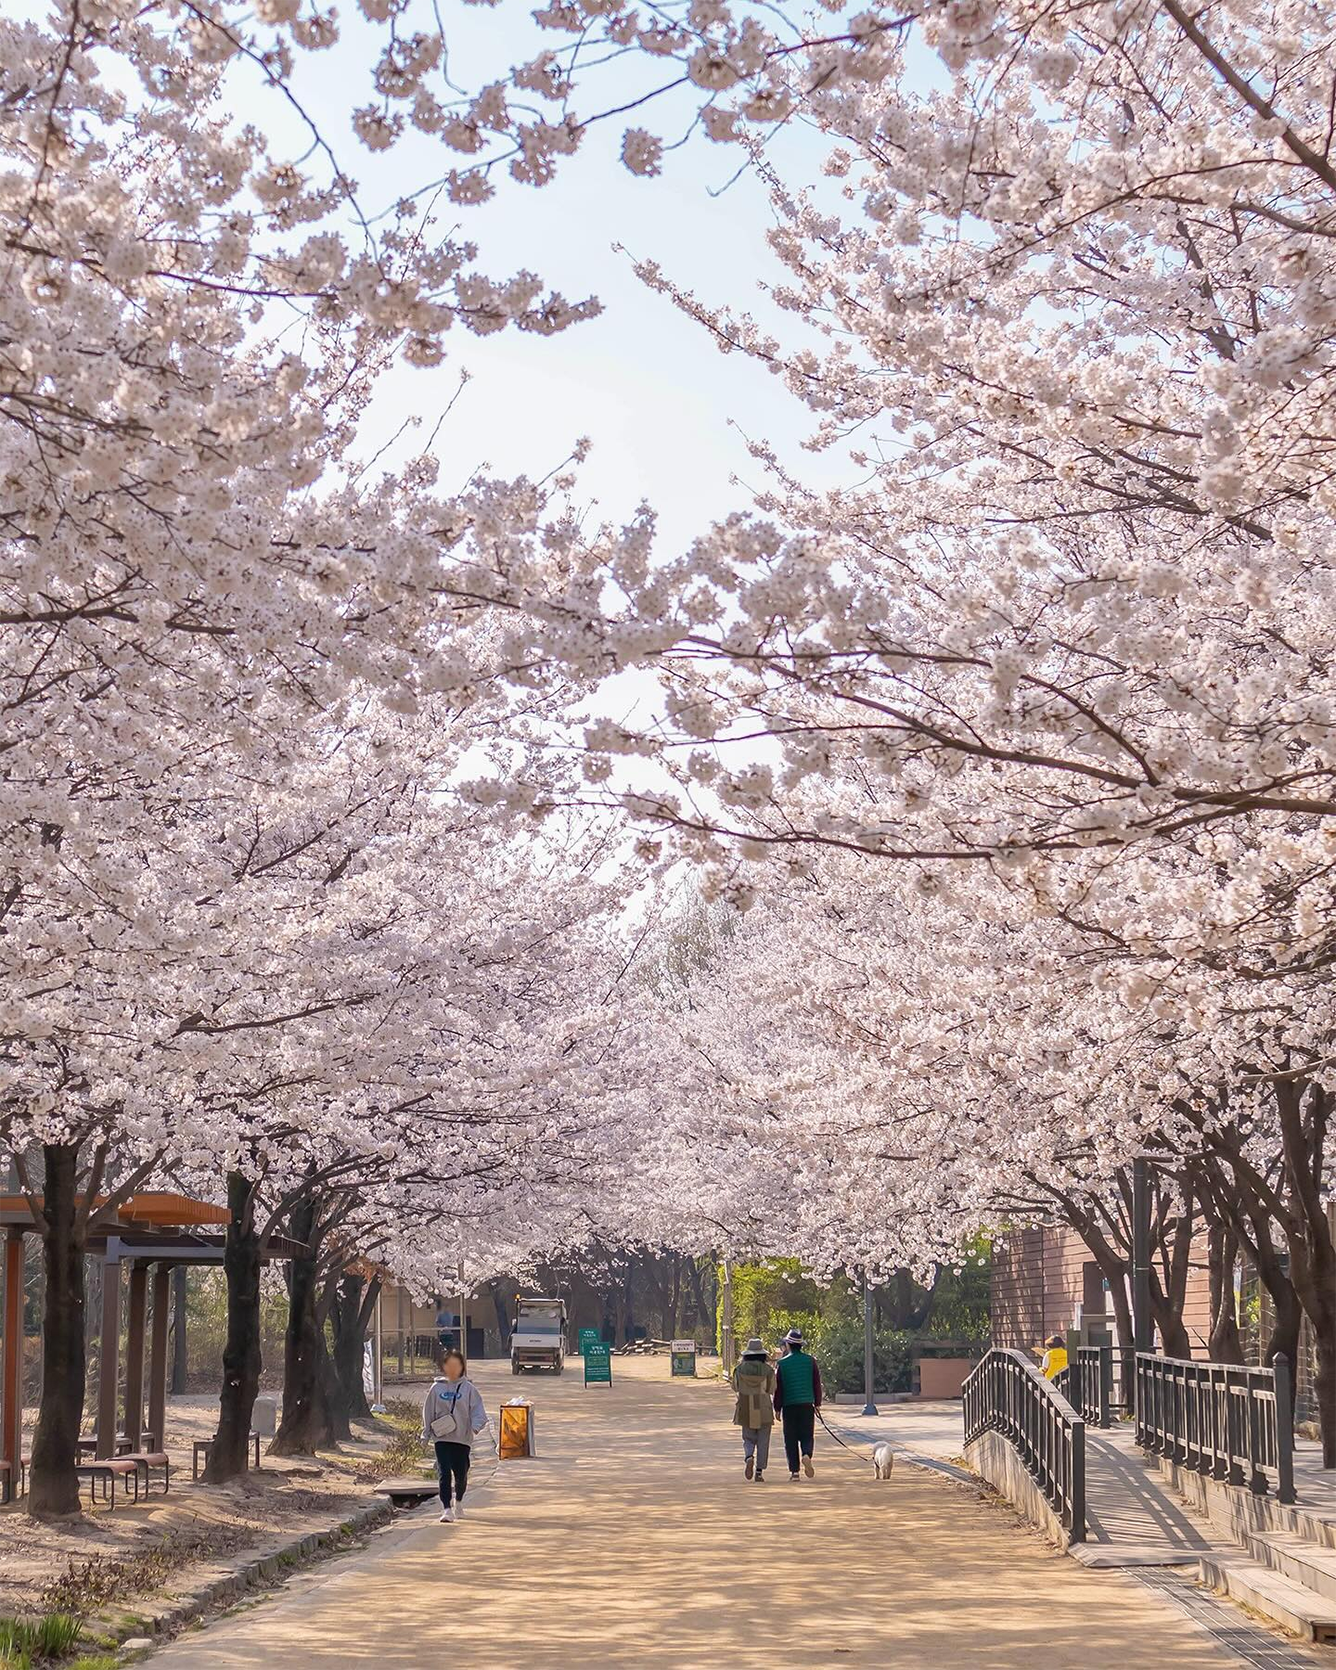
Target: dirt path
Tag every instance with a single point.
(633, 1539)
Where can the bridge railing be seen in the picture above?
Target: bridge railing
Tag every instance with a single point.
(1221, 1420)
(1087, 1384)
(1007, 1394)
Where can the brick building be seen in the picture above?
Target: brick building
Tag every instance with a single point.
(1045, 1282)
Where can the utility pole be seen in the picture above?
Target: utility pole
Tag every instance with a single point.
(869, 1404)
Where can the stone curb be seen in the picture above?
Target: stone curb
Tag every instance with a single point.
(217, 1585)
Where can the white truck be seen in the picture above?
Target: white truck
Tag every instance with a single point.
(538, 1335)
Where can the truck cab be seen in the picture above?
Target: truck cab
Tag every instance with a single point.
(538, 1335)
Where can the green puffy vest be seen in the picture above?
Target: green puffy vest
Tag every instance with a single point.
(795, 1378)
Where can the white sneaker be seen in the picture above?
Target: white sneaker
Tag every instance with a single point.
(459, 1510)
(447, 1518)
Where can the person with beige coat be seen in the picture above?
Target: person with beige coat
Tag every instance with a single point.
(754, 1411)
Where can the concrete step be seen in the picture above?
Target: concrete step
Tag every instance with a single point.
(1310, 1564)
(1273, 1594)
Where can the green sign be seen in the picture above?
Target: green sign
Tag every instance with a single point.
(598, 1364)
(588, 1337)
(684, 1356)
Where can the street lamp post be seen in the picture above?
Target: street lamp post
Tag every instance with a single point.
(869, 1405)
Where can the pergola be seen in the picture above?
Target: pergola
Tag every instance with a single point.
(158, 1231)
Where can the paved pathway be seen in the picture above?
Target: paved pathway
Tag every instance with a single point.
(633, 1539)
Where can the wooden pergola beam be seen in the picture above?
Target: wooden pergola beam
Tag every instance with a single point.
(134, 1353)
(11, 1362)
(157, 1362)
(109, 1364)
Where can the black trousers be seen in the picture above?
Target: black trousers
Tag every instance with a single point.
(452, 1462)
(799, 1428)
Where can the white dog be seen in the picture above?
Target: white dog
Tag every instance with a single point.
(883, 1459)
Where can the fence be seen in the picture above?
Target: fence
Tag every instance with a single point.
(1087, 1384)
(1225, 1422)
(1007, 1394)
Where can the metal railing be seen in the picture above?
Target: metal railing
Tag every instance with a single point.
(1087, 1384)
(1223, 1421)
(1007, 1394)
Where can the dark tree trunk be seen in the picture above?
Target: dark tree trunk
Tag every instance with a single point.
(1173, 1231)
(503, 1312)
(674, 1292)
(704, 1311)
(1222, 1250)
(1304, 1112)
(353, 1307)
(307, 1423)
(53, 1489)
(340, 1416)
(242, 1359)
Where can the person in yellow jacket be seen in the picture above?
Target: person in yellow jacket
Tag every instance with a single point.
(754, 1382)
(1055, 1357)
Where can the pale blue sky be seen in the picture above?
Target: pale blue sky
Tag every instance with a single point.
(642, 381)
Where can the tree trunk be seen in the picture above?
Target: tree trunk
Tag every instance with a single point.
(1304, 1111)
(53, 1489)
(675, 1292)
(1222, 1250)
(704, 1311)
(354, 1300)
(307, 1423)
(242, 1360)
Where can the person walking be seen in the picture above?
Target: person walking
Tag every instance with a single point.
(797, 1399)
(1054, 1359)
(452, 1416)
(754, 1382)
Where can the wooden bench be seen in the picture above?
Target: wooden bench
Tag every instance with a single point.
(202, 1446)
(120, 1444)
(106, 1473)
(149, 1462)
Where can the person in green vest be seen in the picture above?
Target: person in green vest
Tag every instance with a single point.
(754, 1382)
(797, 1399)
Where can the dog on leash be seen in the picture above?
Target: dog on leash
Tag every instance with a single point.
(883, 1459)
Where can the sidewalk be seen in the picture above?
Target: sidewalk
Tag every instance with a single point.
(1132, 1517)
(632, 1539)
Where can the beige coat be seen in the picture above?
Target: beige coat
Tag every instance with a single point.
(754, 1382)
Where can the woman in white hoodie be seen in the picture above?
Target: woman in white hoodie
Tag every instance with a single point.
(452, 1416)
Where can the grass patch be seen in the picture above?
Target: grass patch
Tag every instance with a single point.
(49, 1639)
(405, 1452)
(98, 1661)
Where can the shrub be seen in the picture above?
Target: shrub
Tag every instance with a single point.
(838, 1347)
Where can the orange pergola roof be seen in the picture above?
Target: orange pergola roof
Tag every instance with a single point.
(176, 1210)
(150, 1210)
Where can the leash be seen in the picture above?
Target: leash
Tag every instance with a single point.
(853, 1451)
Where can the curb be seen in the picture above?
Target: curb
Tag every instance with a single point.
(217, 1586)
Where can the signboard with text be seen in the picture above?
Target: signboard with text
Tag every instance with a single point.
(588, 1337)
(598, 1364)
(684, 1357)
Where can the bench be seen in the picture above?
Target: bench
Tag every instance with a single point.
(148, 1462)
(121, 1445)
(202, 1446)
(106, 1473)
